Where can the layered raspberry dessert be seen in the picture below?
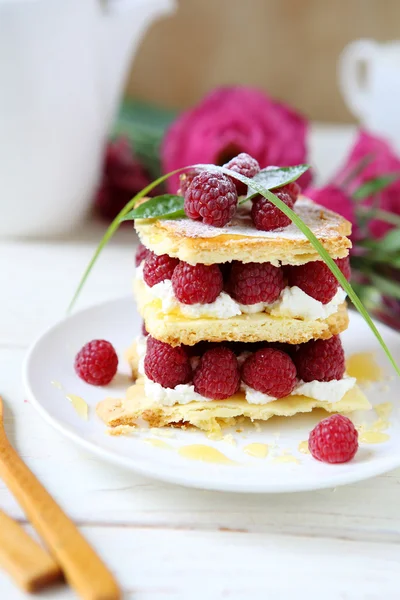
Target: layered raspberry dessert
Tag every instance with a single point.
(241, 315)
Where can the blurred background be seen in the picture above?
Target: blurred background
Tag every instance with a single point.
(100, 97)
(289, 48)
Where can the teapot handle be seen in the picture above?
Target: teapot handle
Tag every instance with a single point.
(353, 82)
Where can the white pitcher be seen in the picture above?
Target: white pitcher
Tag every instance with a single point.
(63, 65)
(369, 77)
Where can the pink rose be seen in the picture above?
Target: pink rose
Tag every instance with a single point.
(381, 161)
(334, 198)
(231, 120)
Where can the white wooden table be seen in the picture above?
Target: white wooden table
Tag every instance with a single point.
(165, 542)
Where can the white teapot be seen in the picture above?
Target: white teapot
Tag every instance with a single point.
(369, 77)
(63, 65)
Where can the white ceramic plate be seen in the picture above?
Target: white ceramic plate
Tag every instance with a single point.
(51, 360)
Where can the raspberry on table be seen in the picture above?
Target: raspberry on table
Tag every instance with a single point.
(293, 189)
(217, 375)
(344, 266)
(270, 371)
(266, 216)
(97, 362)
(246, 165)
(315, 279)
(250, 283)
(158, 268)
(197, 284)
(334, 440)
(211, 198)
(165, 364)
(141, 254)
(320, 360)
(185, 179)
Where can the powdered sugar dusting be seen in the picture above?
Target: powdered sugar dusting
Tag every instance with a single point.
(321, 221)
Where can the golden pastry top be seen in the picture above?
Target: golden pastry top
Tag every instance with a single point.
(195, 242)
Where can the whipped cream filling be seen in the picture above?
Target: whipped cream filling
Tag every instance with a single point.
(323, 391)
(293, 302)
(181, 394)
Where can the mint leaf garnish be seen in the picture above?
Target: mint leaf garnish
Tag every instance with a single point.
(275, 177)
(167, 206)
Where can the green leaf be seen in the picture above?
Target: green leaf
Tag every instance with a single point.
(167, 206)
(368, 213)
(277, 202)
(391, 241)
(373, 186)
(387, 287)
(145, 126)
(275, 177)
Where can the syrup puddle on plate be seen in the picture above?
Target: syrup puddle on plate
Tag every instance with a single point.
(205, 454)
(303, 447)
(373, 437)
(286, 458)
(57, 385)
(158, 444)
(384, 410)
(364, 367)
(257, 450)
(79, 405)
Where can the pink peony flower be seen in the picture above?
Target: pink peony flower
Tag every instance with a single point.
(382, 161)
(334, 198)
(123, 176)
(231, 120)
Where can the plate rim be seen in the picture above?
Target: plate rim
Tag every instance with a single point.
(146, 467)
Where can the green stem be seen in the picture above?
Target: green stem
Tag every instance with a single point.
(378, 213)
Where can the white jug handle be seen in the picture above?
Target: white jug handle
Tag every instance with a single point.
(354, 84)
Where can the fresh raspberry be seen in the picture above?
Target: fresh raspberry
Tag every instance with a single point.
(157, 268)
(270, 371)
(211, 198)
(334, 440)
(185, 179)
(320, 360)
(344, 266)
(293, 189)
(141, 254)
(199, 283)
(97, 362)
(250, 283)
(266, 216)
(166, 365)
(217, 375)
(315, 279)
(246, 165)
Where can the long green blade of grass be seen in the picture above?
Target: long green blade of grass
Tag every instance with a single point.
(277, 202)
